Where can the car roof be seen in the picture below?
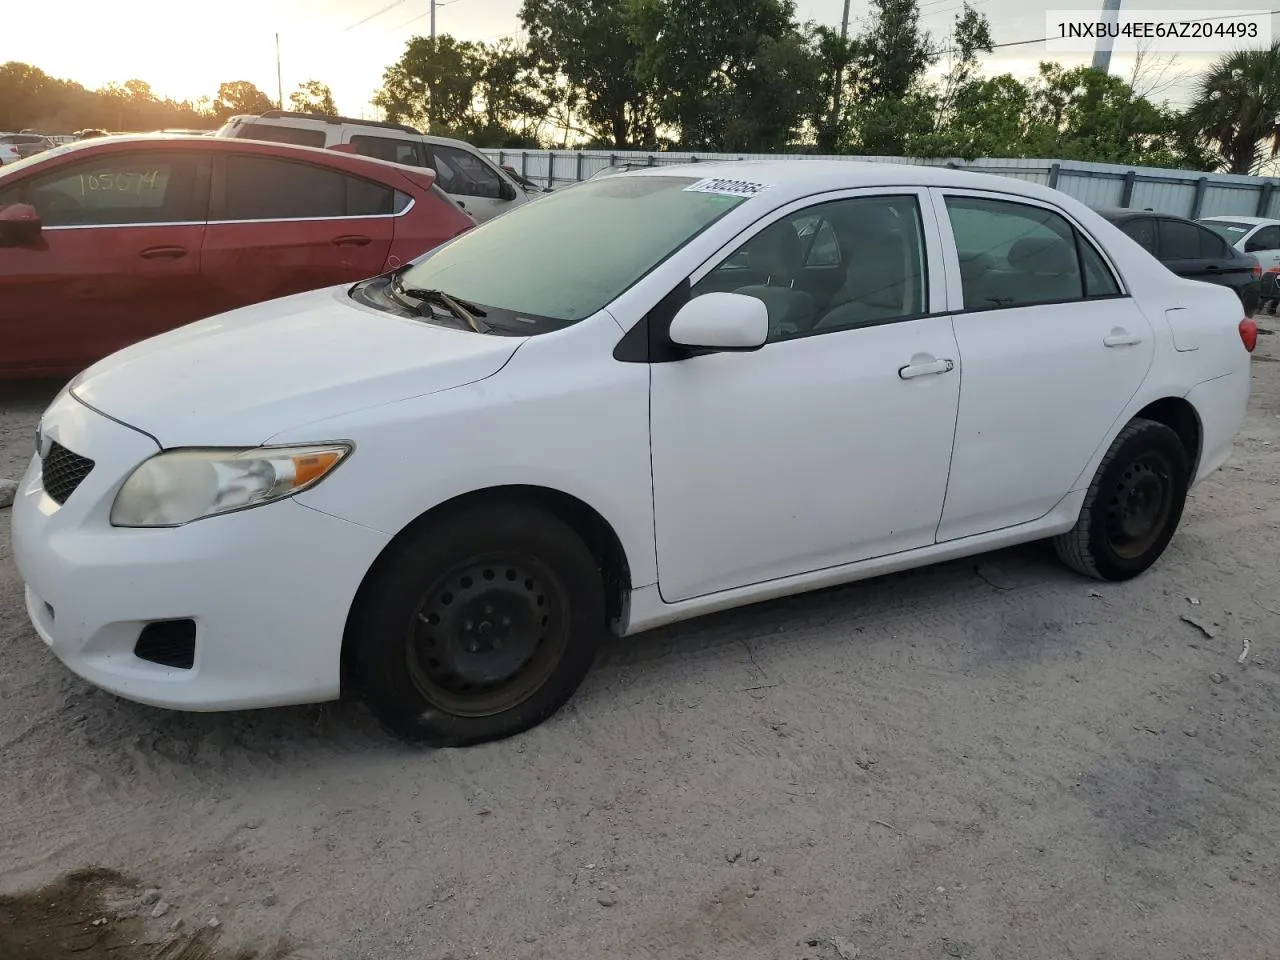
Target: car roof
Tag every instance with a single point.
(169, 141)
(1253, 221)
(1115, 214)
(794, 179)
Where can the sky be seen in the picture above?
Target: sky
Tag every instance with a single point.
(325, 40)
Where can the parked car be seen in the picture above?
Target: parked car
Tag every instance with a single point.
(16, 146)
(522, 181)
(462, 171)
(1258, 237)
(1192, 251)
(633, 402)
(105, 242)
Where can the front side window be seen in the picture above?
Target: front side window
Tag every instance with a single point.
(464, 174)
(266, 188)
(833, 266)
(1268, 238)
(1142, 232)
(565, 257)
(115, 190)
(1016, 254)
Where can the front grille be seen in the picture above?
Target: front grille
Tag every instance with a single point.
(171, 643)
(63, 471)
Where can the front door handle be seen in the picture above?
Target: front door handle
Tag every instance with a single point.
(352, 240)
(164, 253)
(1121, 338)
(926, 369)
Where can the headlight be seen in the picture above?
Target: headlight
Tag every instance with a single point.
(175, 488)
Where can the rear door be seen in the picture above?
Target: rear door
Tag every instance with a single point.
(1051, 350)
(279, 227)
(117, 261)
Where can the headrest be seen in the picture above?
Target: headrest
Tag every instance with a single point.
(776, 250)
(1051, 256)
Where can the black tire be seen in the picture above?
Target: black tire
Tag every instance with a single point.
(1133, 505)
(477, 627)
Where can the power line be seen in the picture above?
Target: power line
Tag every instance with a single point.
(378, 13)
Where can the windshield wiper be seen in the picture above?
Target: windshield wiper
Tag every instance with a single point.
(469, 313)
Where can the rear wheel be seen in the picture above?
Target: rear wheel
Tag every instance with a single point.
(479, 626)
(1133, 505)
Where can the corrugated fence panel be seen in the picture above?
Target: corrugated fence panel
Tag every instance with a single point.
(1242, 202)
(1092, 190)
(1166, 196)
(1095, 184)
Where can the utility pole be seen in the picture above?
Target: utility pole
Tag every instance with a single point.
(433, 18)
(844, 38)
(279, 81)
(1102, 51)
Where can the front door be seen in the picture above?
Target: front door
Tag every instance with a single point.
(1052, 349)
(830, 444)
(117, 259)
(279, 227)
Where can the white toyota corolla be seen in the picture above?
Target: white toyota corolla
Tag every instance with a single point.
(653, 396)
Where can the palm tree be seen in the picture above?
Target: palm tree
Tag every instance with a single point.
(1237, 109)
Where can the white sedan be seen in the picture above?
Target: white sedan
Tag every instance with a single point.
(653, 396)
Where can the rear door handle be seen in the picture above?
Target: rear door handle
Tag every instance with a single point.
(929, 368)
(352, 240)
(164, 253)
(1121, 338)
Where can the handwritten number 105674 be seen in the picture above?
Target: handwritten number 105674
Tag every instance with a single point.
(128, 182)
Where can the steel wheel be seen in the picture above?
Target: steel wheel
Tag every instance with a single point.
(1139, 507)
(488, 634)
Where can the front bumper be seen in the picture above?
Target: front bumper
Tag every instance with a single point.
(268, 589)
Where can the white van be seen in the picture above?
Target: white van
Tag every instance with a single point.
(479, 185)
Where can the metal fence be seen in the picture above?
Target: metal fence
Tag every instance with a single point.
(1183, 192)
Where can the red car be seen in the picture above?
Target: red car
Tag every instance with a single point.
(109, 241)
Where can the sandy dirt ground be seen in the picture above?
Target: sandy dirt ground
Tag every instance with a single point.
(986, 759)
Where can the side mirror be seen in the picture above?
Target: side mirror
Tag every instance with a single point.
(506, 191)
(730, 322)
(19, 225)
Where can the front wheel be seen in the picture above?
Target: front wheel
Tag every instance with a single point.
(479, 626)
(1133, 505)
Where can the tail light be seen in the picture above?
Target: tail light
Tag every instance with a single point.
(1249, 333)
(1257, 270)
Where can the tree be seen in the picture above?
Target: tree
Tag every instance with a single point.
(591, 46)
(891, 106)
(312, 96)
(240, 96)
(733, 75)
(1236, 109)
(489, 95)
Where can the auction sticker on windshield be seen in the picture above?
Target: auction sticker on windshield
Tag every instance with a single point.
(730, 188)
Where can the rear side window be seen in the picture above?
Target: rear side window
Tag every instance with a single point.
(1179, 241)
(1015, 254)
(1143, 232)
(301, 136)
(117, 190)
(1268, 238)
(263, 188)
(390, 148)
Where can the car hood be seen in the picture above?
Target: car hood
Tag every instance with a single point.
(241, 377)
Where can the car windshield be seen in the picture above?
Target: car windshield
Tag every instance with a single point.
(1228, 230)
(572, 253)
